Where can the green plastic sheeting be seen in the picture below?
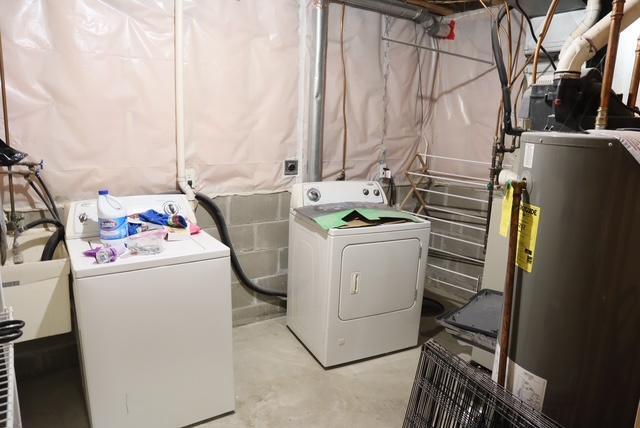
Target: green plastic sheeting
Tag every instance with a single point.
(337, 219)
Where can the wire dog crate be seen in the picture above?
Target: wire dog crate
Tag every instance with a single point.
(9, 407)
(449, 393)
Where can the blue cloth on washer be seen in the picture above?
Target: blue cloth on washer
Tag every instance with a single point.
(153, 216)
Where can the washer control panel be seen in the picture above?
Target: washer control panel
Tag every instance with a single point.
(82, 216)
(329, 192)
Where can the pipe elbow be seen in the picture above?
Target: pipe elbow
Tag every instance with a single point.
(591, 17)
(571, 60)
(187, 190)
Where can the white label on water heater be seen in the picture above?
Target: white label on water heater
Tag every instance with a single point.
(528, 155)
(522, 383)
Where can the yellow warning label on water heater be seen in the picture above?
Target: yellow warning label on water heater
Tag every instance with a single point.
(505, 220)
(527, 236)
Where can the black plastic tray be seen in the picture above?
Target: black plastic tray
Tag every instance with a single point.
(479, 317)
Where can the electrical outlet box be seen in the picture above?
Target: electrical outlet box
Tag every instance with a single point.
(190, 176)
(291, 167)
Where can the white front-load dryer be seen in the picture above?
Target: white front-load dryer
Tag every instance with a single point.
(353, 293)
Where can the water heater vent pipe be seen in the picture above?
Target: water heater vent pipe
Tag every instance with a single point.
(585, 47)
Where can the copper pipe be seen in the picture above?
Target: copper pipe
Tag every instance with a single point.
(617, 11)
(547, 23)
(507, 305)
(635, 78)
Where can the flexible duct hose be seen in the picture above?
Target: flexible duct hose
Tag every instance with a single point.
(216, 214)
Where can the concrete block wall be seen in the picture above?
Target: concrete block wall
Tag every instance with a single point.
(259, 230)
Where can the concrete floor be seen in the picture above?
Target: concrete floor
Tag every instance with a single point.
(278, 384)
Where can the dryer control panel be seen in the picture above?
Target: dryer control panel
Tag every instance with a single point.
(82, 216)
(329, 192)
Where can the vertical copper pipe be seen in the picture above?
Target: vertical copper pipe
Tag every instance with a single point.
(547, 23)
(507, 306)
(617, 11)
(635, 78)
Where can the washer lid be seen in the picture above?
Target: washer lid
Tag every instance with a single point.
(198, 247)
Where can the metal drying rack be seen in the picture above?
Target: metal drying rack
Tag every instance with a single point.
(422, 181)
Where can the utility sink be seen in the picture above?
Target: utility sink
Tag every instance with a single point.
(38, 291)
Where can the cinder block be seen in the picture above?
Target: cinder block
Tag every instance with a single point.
(284, 259)
(258, 264)
(276, 283)
(254, 208)
(241, 297)
(213, 231)
(285, 202)
(272, 235)
(203, 218)
(258, 312)
(242, 237)
(401, 193)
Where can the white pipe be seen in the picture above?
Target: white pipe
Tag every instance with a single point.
(585, 47)
(593, 9)
(179, 93)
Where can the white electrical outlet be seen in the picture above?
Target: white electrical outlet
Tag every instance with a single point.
(190, 176)
(381, 167)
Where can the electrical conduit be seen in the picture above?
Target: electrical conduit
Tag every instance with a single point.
(179, 94)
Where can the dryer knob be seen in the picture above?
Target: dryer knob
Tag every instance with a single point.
(313, 194)
(366, 192)
(83, 217)
(376, 192)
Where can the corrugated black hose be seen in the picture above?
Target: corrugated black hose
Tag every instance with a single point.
(216, 214)
(54, 239)
(42, 221)
(52, 243)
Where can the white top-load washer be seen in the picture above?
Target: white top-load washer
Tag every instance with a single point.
(154, 330)
(357, 292)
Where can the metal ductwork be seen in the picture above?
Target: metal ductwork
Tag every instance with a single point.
(394, 8)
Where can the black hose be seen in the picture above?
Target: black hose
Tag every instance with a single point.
(502, 74)
(56, 214)
(216, 214)
(52, 243)
(42, 221)
(43, 199)
(533, 34)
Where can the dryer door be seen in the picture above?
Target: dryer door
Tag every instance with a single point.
(378, 278)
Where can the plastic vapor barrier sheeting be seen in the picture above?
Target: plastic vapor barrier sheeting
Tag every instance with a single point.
(383, 109)
(465, 96)
(91, 91)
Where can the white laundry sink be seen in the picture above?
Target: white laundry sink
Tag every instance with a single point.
(38, 291)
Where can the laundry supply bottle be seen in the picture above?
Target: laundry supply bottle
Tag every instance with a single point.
(112, 219)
